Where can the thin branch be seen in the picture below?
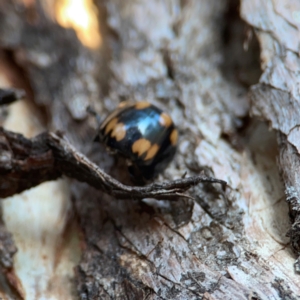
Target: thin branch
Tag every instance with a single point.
(25, 163)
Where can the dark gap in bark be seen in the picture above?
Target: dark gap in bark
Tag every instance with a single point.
(236, 139)
(241, 64)
(20, 79)
(241, 61)
(169, 65)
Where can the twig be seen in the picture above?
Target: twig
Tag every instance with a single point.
(25, 163)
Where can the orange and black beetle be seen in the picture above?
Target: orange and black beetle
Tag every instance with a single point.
(143, 134)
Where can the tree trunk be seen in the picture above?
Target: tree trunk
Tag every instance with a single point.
(214, 73)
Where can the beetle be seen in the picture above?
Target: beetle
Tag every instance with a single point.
(143, 134)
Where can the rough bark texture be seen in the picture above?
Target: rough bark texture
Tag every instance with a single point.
(186, 57)
(276, 98)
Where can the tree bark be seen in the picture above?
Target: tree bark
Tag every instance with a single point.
(276, 98)
(189, 58)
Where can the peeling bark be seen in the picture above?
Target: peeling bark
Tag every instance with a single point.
(276, 97)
